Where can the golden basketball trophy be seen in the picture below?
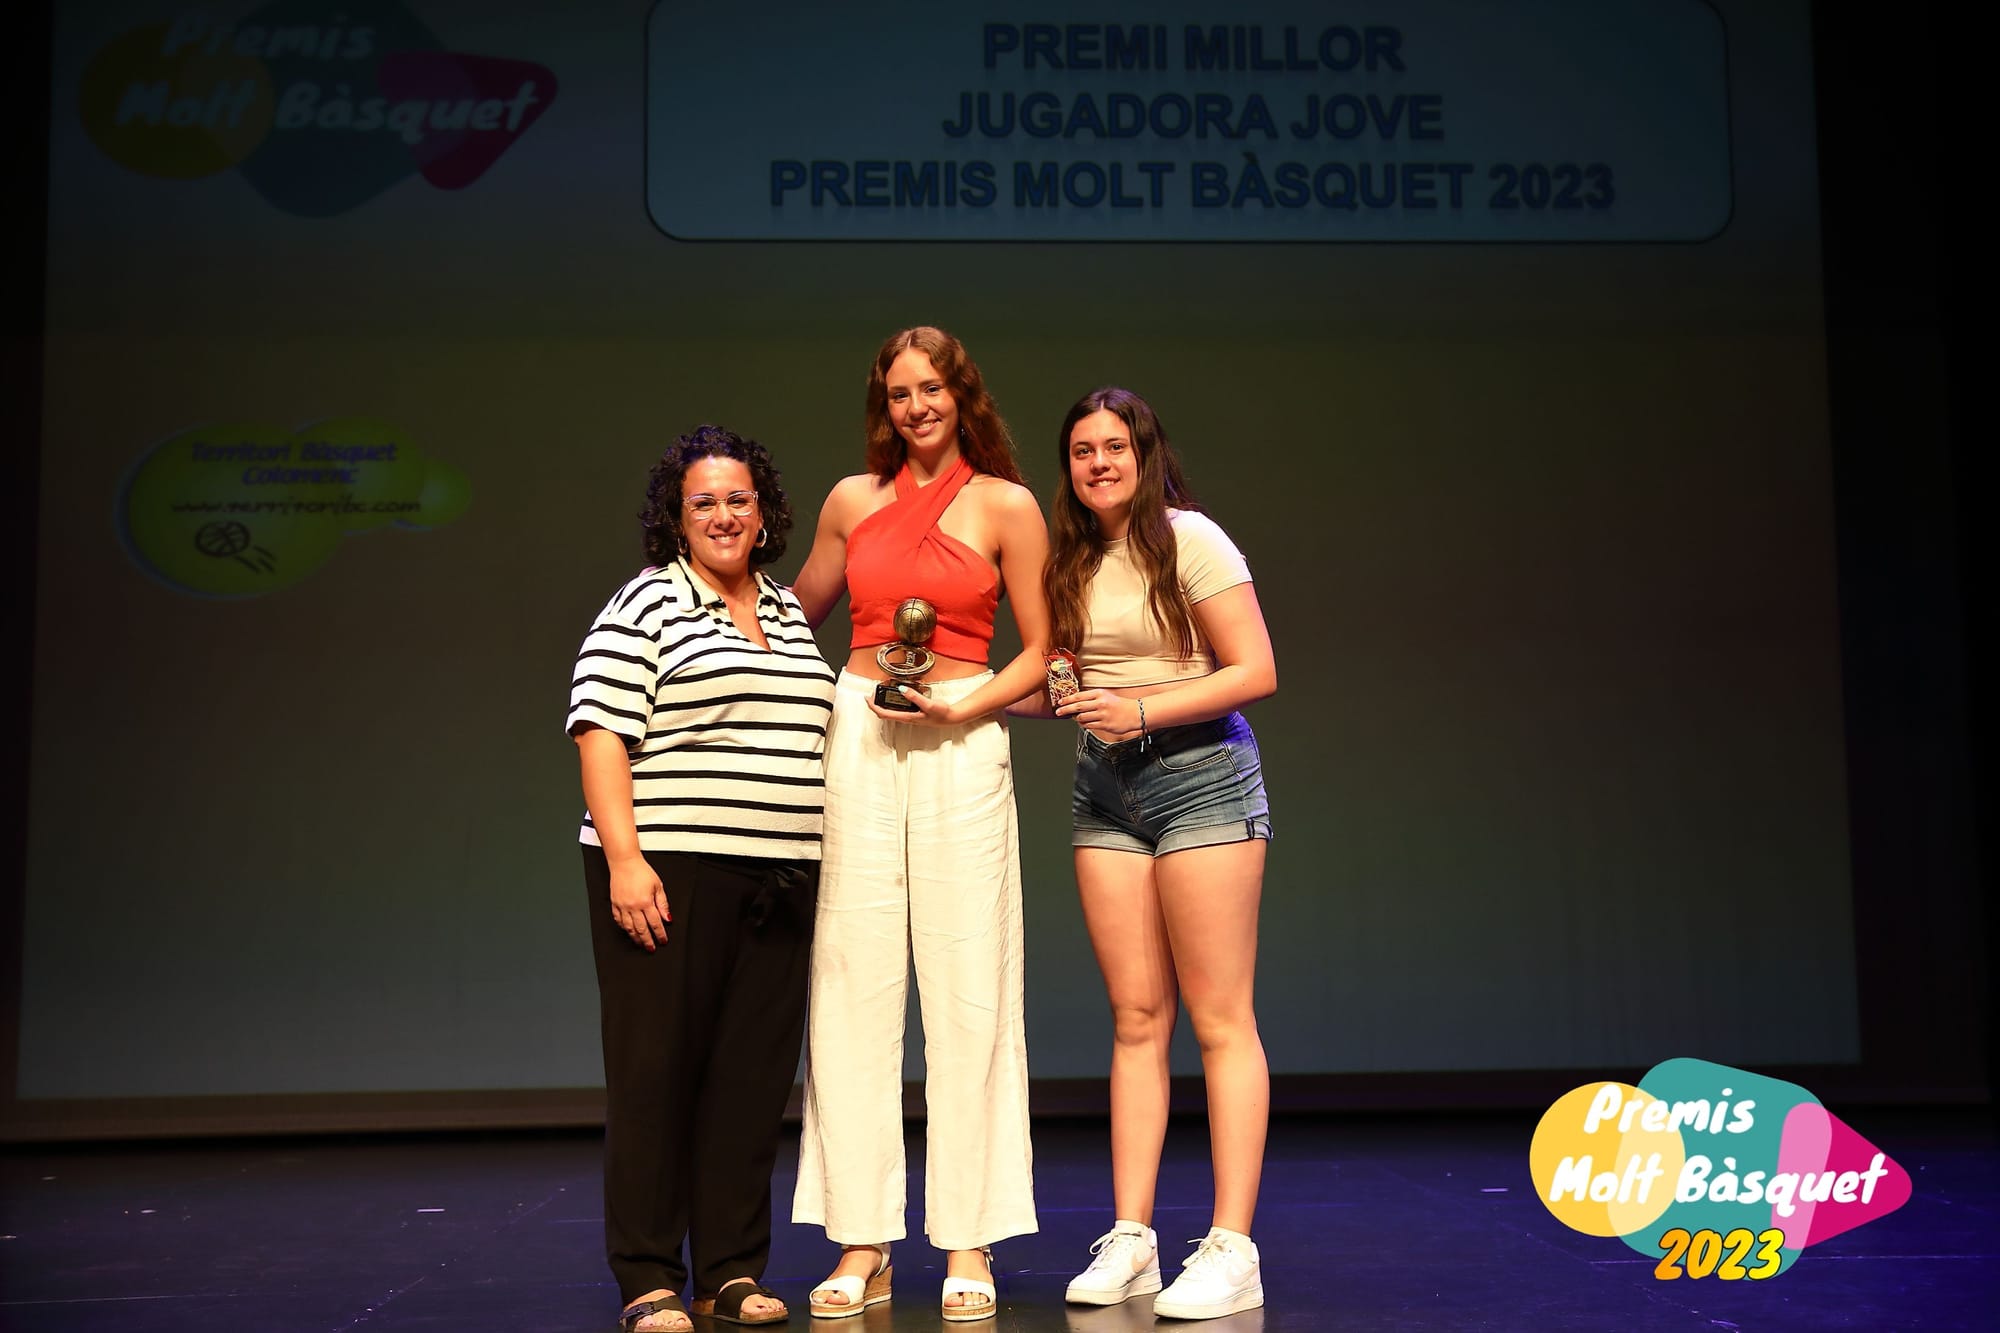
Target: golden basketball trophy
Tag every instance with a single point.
(907, 658)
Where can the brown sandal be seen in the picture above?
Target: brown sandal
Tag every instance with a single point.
(628, 1321)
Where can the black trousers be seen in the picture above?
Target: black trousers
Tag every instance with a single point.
(701, 1040)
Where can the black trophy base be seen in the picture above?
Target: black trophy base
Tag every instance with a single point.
(887, 695)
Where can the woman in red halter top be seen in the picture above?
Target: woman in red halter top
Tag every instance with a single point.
(920, 856)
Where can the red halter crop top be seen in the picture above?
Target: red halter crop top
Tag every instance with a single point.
(898, 552)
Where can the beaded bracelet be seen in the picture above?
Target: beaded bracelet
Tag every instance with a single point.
(1144, 735)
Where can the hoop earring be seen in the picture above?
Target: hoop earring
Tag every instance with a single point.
(763, 535)
(681, 544)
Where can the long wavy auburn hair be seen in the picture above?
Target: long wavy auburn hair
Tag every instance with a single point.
(983, 436)
(1076, 544)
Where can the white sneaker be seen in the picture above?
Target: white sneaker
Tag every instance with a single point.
(1126, 1264)
(1221, 1277)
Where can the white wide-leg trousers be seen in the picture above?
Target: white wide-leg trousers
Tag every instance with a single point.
(921, 858)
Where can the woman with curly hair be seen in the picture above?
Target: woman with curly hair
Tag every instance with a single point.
(699, 708)
(1170, 822)
(922, 856)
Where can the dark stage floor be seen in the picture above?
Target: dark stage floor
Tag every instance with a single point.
(1417, 1223)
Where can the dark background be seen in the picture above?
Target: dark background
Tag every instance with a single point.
(1905, 292)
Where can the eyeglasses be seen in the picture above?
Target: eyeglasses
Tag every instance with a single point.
(701, 508)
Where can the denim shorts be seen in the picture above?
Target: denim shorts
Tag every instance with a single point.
(1193, 786)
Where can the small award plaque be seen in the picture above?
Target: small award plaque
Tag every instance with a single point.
(1062, 676)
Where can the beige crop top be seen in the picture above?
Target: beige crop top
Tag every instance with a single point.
(1122, 647)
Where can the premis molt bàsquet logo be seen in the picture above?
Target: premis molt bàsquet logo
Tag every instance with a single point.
(1713, 1171)
(320, 104)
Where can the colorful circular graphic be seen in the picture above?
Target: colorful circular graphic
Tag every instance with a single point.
(1596, 1164)
(170, 108)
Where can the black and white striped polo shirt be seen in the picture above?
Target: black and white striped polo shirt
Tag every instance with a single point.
(725, 737)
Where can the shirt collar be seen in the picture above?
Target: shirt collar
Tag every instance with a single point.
(708, 596)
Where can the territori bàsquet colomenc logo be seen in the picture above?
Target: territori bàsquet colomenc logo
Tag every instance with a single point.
(320, 105)
(240, 509)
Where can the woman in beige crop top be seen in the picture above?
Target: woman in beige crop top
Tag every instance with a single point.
(1171, 823)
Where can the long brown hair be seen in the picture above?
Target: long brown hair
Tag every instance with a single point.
(1076, 545)
(982, 435)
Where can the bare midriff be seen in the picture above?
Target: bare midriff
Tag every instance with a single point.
(1157, 687)
(862, 663)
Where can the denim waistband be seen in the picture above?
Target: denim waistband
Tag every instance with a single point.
(1124, 751)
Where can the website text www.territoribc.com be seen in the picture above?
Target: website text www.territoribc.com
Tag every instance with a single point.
(343, 505)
